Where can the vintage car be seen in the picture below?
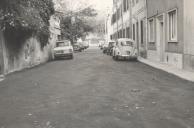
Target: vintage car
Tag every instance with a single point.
(125, 49)
(63, 49)
(111, 45)
(107, 48)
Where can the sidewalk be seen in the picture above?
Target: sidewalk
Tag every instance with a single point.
(2, 78)
(172, 70)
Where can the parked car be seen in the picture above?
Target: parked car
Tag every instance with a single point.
(110, 47)
(105, 48)
(82, 47)
(63, 49)
(125, 49)
(77, 48)
(85, 44)
(101, 44)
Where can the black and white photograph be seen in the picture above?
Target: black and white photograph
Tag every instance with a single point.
(96, 64)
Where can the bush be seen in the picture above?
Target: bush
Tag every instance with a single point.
(26, 17)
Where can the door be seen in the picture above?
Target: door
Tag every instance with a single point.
(137, 36)
(160, 38)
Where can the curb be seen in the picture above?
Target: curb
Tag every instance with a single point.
(186, 75)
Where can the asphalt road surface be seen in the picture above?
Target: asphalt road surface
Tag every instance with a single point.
(94, 91)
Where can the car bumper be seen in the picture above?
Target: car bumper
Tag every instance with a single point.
(127, 57)
(64, 55)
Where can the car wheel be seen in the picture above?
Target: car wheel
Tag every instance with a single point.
(117, 57)
(72, 56)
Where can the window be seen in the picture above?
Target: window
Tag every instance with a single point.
(121, 34)
(127, 4)
(127, 32)
(151, 30)
(142, 31)
(172, 25)
(62, 44)
(133, 31)
(127, 43)
(133, 2)
(124, 33)
(124, 5)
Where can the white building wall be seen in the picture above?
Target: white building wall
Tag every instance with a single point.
(139, 14)
(188, 35)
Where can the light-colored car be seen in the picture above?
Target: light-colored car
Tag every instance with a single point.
(63, 49)
(125, 49)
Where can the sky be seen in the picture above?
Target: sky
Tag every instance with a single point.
(100, 5)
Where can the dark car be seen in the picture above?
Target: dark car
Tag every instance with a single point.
(109, 49)
(105, 48)
(77, 48)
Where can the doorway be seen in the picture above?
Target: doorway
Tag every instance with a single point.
(160, 37)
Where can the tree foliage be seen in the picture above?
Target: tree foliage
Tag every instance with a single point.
(26, 16)
(76, 24)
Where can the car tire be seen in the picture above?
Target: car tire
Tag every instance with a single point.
(72, 56)
(117, 58)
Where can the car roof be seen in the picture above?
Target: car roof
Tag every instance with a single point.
(125, 39)
(63, 41)
(111, 41)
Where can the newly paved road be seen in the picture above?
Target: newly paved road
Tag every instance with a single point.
(93, 91)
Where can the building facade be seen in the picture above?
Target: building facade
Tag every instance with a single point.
(129, 21)
(121, 19)
(108, 28)
(139, 27)
(55, 29)
(170, 29)
(162, 29)
(188, 56)
(165, 31)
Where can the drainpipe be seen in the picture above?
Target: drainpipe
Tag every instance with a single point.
(146, 3)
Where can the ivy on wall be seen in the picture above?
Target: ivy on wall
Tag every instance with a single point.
(23, 18)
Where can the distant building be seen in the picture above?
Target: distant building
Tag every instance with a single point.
(108, 28)
(55, 29)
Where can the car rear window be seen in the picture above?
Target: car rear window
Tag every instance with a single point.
(62, 44)
(127, 43)
(111, 43)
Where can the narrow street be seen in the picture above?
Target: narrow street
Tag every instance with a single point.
(94, 91)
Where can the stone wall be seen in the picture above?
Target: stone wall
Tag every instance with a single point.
(26, 55)
(1, 53)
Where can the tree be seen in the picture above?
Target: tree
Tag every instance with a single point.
(76, 23)
(23, 18)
